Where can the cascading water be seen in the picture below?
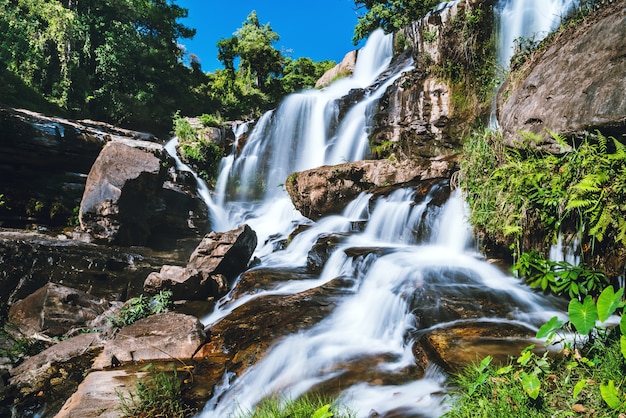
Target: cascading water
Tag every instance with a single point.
(407, 254)
(530, 19)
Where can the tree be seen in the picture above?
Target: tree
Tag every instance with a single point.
(390, 15)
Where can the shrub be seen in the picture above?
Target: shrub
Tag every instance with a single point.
(141, 307)
(159, 395)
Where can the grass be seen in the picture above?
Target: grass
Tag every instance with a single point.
(156, 396)
(307, 406)
(569, 386)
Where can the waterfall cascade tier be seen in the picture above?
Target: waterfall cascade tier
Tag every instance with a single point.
(407, 254)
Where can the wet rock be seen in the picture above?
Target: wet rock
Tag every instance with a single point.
(167, 336)
(539, 99)
(225, 253)
(215, 263)
(259, 279)
(327, 190)
(30, 260)
(51, 375)
(55, 309)
(241, 338)
(55, 372)
(322, 250)
(461, 344)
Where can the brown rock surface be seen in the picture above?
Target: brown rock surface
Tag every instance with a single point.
(168, 336)
(327, 190)
(577, 84)
(345, 67)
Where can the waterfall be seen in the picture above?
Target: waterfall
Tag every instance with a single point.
(527, 19)
(407, 254)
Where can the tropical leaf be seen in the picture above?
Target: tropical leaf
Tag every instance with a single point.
(611, 395)
(531, 384)
(622, 345)
(583, 315)
(549, 327)
(579, 387)
(608, 302)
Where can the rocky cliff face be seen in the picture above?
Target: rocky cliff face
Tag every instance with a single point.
(576, 84)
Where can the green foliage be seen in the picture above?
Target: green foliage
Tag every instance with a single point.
(388, 15)
(196, 150)
(141, 307)
(511, 191)
(307, 406)
(558, 277)
(214, 121)
(468, 49)
(111, 60)
(158, 395)
(14, 345)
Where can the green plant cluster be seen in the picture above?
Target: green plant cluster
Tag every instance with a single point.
(513, 191)
(586, 376)
(196, 150)
(307, 406)
(141, 307)
(468, 50)
(158, 395)
(559, 277)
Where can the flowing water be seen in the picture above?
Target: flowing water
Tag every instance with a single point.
(407, 255)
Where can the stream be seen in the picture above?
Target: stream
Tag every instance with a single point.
(401, 254)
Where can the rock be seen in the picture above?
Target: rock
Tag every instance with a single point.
(44, 161)
(131, 198)
(539, 98)
(29, 260)
(225, 253)
(55, 309)
(463, 344)
(215, 263)
(186, 283)
(344, 68)
(99, 393)
(167, 336)
(321, 251)
(57, 370)
(241, 338)
(327, 190)
(121, 196)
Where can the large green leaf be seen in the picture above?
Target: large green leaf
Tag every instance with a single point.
(611, 395)
(622, 324)
(548, 329)
(608, 302)
(531, 384)
(622, 345)
(583, 315)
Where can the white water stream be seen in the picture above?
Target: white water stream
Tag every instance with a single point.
(415, 248)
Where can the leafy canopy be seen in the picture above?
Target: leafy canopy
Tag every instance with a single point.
(390, 15)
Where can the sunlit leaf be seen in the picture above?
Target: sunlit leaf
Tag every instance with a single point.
(608, 302)
(579, 387)
(549, 327)
(611, 395)
(531, 384)
(583, 315)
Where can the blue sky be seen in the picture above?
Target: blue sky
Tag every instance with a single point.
(320, 29)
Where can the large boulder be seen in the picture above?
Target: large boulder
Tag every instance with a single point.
(215, 263)
(29, 260)
(576, 84)
(167, 336)
(44, 161)
(327, 190)
(127, 198)
(55, 310)
(343, 69)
